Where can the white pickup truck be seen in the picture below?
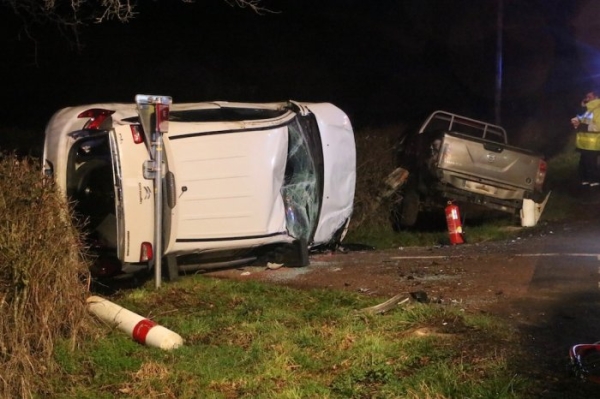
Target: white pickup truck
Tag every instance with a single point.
(242, 182)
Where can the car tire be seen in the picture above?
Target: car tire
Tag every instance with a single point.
(409, 209)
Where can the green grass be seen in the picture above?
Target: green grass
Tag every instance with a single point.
(252, 340)
(499, 227)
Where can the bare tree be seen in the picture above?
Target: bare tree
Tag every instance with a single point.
(71, 13)
(68, 16)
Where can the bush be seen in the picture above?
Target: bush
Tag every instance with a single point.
(44, 280)
(376, 151)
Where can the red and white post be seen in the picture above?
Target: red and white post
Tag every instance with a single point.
(141, 329)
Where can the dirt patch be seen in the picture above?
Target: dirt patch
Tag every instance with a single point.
(473, 276)
(498, 278)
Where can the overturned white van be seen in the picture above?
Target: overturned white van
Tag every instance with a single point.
(242, 182)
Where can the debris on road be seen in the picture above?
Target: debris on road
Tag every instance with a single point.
(385, 306)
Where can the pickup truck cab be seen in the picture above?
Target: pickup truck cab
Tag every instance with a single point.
(242, 182)
(455, 158)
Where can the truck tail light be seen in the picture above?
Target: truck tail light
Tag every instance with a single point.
(137, 133)
(146, 252)
(541, 175)
(97, 117)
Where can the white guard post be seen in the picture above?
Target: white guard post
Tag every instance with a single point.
(142, 330)
(154, 116)
(531, 211)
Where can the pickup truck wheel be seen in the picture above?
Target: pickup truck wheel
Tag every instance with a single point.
(409, 209)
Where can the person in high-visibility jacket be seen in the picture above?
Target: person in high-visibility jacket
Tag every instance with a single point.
(587, 140)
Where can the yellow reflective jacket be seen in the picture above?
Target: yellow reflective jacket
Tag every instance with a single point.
(590, 140)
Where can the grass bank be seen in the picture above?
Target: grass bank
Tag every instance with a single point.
(253, 340)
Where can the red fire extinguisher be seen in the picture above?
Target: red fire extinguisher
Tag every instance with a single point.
(454, 225)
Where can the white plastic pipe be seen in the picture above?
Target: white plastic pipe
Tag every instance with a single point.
(142, 330)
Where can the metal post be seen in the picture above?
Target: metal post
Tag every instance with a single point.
(499, 62)
(154, 117)
(158, 209)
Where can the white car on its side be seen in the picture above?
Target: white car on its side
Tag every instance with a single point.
(243, 182)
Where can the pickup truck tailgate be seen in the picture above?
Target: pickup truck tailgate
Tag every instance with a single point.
(487, 167)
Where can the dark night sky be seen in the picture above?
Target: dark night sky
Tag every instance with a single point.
(383, 62)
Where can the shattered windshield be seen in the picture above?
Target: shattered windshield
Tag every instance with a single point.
(303, 184)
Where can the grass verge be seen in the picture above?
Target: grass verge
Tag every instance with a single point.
(252, 340)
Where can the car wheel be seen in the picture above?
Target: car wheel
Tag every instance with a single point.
(409, 209)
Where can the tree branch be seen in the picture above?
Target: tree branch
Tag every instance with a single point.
(72, 13)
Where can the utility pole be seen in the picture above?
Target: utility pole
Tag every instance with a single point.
(499, 61)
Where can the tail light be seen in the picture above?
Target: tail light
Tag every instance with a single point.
(541, 175)
(97, 117)
(146, 252)
(137, 133)
(162, 117)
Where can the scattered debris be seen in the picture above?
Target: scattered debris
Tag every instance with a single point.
(428, 332)
(420, 296)
(585, 361)
(385, 306)
(357, 247)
